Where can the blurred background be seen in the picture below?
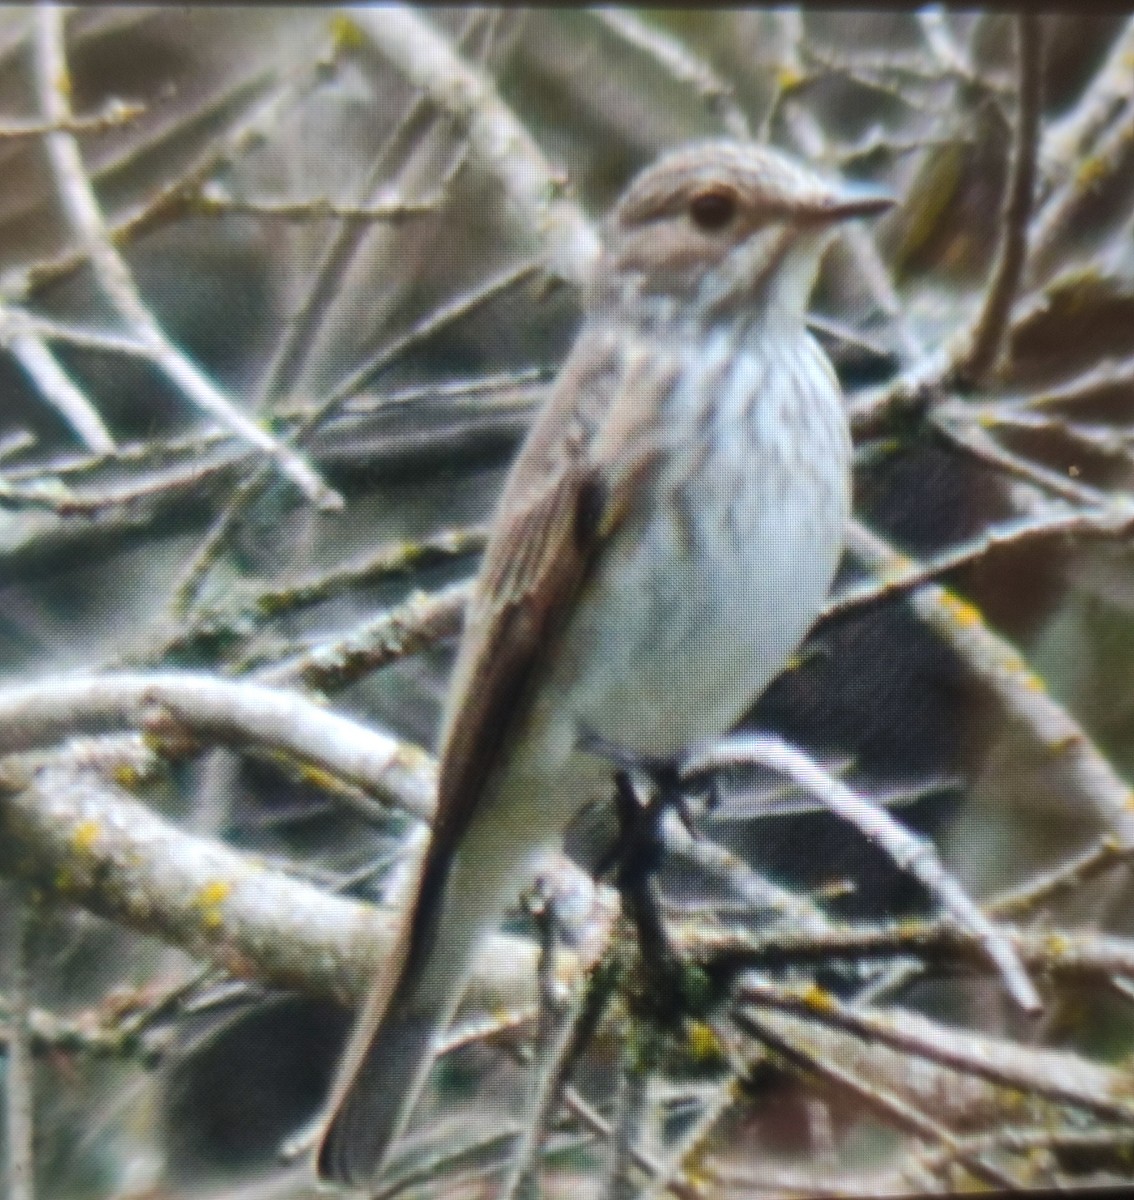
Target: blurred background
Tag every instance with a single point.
(254, 258)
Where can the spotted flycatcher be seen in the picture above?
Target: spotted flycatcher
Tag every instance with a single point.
(663, 542)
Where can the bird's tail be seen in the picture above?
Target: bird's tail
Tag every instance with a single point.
(465, 883)
(389, 1055)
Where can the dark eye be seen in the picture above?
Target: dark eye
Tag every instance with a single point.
(713, 209)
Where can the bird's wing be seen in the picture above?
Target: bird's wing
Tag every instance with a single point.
(587, 456)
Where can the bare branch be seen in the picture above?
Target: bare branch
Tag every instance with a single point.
(979, 356)
(421, 622)
(85, 841)
(497, 139)
(676, 59)
(228, 711)
(19, 1096)
(1057, 1075)
(60, 391)
(1057, 739)
(911, 853)
(83, 211)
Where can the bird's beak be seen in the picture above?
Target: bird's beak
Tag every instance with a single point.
(848, 200)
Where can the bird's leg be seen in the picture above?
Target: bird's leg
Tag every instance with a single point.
(638, 858)
(644, 788)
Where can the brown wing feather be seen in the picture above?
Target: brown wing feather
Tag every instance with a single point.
(566, 495)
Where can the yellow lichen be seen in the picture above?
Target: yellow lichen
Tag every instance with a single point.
(209, 900)
(346, 33)
(85, 835)
(817, 998)
(963, 613)
(702, 1041)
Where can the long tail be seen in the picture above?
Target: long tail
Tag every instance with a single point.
(388, 1058)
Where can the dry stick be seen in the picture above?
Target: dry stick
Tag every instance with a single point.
(1029, 1141)
(422, 331)
(903, 574)
(215, 203)
(409, 628)
(896, 1110)
(957, 1098)
(987, 336)
(114, 114)
(229, 711)
(387, 560)
(85, 216)
(1053, 1075)
(59, 390)
(19, 1095)
(497, 139)
(1055, 735)
(1067, 877)
(160, 450)
(757, 893)
(1072, 135)
(911, 853)
(1093, 437)
(15, 321)
(976, 441)
(676, 59)
(56, 497)
(1077, 953)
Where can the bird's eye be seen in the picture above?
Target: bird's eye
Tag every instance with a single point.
(713, 208)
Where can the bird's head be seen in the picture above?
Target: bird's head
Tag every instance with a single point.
(717, 220)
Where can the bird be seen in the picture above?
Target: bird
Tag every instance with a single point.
(664, 539)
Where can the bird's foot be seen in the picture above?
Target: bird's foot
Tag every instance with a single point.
(645, 789)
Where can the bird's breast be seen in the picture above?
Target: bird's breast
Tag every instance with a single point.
(705, 591)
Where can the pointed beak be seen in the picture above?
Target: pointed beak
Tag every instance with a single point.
(849, 200)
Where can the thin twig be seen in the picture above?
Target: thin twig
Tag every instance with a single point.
(213, 202)
(60, 391)
(19, 1095)
(987, 335)
(85, 216)
(114, 114)
(418, 624)
(904, 575)
(1067, 878)
(678, 61)
(497, 139)
(910, 852)
(1057, 1075)
(1057, 739)
(894, 1109)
